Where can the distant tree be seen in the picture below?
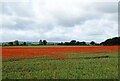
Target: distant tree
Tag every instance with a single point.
(97, 44)
(16, 42)
(44, 42)
(60, 43)
(40, 42)
(77, 43)
(83, 43)
(112, 41)
(72, 42)
(21, 44)
(24, 43)
(92, 43)
(10, 43)
(4, 44)
(67, 43)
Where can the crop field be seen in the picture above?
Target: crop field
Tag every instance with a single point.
(60, 62)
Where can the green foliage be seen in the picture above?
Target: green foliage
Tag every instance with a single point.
(112, 41)
(92, 43)
(24, 43)
(40, 42)
(82, 43)
(72, 42)
(16, 42)
(44, 42)
(10, 43)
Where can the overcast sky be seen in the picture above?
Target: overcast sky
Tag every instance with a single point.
(58, 20)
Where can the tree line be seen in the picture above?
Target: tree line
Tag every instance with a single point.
(112, 41)
(17, 43)
(74, 42)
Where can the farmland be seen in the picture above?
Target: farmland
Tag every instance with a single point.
(60, 62)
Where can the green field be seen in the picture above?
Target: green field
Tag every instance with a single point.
(75, 66)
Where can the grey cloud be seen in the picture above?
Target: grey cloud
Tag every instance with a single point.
(106, 7)
(85, 22)
(18, 9)
(71, 22)
(19, 24)
(67, 18)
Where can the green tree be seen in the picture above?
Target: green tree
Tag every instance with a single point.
(10, 43)
(16, 42)
(83, 43)
(44, 42)
(66, 43)
(111, 41)
(40, 42)
(24, 43)
(77, 43)
(92, 43)
(72, 42)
